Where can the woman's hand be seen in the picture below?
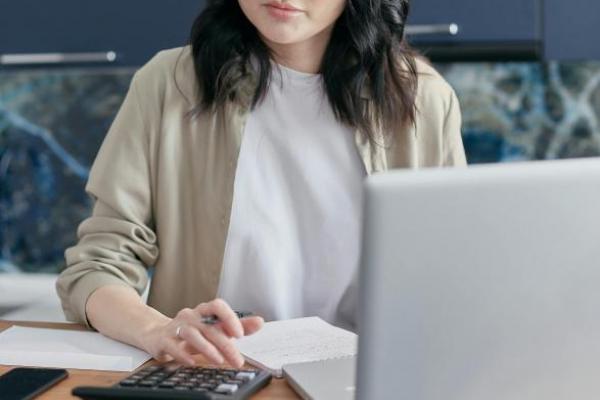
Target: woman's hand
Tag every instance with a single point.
(186, 335)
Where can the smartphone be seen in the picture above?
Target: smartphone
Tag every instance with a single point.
(26, 383)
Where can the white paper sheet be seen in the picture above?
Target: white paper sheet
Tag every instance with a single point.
(58, 348)
(294, 341)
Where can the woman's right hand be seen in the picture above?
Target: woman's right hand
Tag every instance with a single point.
(186, 335)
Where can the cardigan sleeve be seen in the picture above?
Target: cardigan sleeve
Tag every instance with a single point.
(453, 149)
(117, 242)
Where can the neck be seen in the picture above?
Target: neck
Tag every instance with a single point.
(305, 56)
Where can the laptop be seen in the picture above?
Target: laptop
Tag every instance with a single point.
(482, 283)
(323, 380)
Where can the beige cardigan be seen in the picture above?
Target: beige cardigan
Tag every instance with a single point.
(163, 179)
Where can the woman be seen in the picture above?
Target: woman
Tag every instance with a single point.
(241, 158)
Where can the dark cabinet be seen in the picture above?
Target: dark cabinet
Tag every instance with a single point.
(486, 28)
(94, 31)
(479, 20)
(572, 29)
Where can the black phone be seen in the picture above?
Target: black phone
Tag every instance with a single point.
(26, 383)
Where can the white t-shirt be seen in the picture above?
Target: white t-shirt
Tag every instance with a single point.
(294, 237)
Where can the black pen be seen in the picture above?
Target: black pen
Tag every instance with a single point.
(213, 319)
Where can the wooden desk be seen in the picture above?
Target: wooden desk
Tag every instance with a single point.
(277, 389)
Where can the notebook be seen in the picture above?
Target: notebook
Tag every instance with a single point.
(59, 348)
(296, 341)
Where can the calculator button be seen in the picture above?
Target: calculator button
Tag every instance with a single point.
(206, 386)
(147, 383)
(181, 388)
(226, 388)
(245, 376)
(128, 382)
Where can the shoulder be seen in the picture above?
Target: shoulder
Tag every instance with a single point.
(435, 96)
(168, 72)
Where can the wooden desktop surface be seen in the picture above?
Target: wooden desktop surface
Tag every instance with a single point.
(277, 389)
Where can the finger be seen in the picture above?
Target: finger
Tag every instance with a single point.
(227, 318)
(200, 344)
(163, 357)
(192, 350)
(194, 317)
(225, 344)
(179, 354)
(252, 324)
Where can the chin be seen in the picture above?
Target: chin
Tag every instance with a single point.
(282, 36)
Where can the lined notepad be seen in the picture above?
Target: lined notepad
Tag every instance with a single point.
(59, 348)
(294, 341)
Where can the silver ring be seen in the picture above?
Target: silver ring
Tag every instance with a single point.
(178, 331)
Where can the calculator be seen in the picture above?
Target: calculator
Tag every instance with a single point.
(176, 382)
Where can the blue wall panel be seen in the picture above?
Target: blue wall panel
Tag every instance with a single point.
(572, 29)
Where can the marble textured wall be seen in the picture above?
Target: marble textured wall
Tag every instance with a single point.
(52, 123)
(528, 111)
(51, 126)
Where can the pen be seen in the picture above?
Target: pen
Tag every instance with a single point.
(213, 319)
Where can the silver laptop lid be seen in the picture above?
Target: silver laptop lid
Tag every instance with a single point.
(482, 283)
(323, 380)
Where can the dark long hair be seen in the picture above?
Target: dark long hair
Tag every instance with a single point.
(366, 54)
